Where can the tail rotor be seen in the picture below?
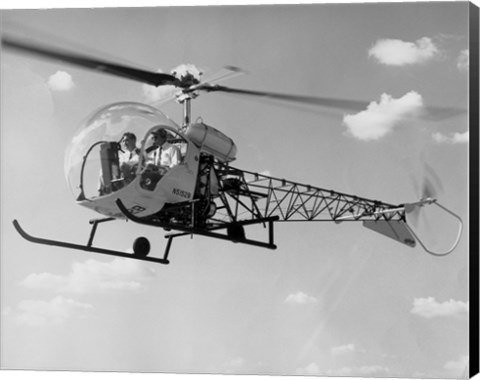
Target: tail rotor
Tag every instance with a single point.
(430, 189)
(427, 194)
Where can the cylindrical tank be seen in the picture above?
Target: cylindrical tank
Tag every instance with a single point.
(212, 141)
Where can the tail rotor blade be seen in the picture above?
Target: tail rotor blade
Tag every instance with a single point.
(428, 190)
(432, 183)
(413, 213)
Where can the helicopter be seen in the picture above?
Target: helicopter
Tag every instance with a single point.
(201, 193)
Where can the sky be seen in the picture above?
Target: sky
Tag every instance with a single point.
(333, 299)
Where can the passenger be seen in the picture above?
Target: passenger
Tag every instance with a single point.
(163, 155)
(129, 159)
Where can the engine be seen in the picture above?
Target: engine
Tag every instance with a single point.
(212, 141)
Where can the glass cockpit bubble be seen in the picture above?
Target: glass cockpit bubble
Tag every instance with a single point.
(102, 132)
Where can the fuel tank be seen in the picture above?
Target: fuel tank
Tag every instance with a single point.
(212, 141)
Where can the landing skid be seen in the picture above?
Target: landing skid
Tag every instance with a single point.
(87, 247)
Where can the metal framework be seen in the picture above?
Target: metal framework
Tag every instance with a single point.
(248, 195)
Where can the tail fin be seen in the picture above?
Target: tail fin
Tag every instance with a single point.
(397, 230)
(402, 232)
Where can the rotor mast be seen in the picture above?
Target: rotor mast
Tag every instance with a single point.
(186, 101)
(188, 84)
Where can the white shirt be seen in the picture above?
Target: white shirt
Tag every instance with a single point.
(128, 162)
(129, 158)
(167, 155)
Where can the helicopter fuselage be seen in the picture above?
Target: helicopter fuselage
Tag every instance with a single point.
(177, 185)
(100, 178)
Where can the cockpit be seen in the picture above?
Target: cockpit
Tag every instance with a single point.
(121, 144)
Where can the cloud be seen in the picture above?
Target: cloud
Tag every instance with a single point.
(381, 118)
(234, 366)
(300, 298)
(154, 94)
(60, 81)
(7, 311)
(345, 349)
(399, 53)
(94, 276)
(311, 369)
(37, 313)
(463, 60)
(187, 68)
(367, 370)
(454, 138)
(458, 367)
(430, 308)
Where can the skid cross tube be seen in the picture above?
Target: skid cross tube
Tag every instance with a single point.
(87, 248)
(94, 223)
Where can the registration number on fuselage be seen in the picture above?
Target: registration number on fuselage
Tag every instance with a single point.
(181, 193)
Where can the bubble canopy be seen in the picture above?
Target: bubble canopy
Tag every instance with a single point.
(107, 125)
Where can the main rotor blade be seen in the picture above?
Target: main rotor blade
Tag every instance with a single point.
(441, 113)
(227, 72)
(312, 100)
(429, 113)
(152, 78)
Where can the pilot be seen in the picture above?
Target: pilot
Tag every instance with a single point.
(129, 159)
(163, 155)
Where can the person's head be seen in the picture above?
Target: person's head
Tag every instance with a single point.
(129, 141)
(159, 136)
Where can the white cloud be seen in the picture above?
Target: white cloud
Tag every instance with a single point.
(40, 313)
(345, 349)
(154, 94)
(44, 281)
(458, 367)
(398, 53)
(430, 308)
(311, 369)
(94, 276)
(463, 60)
(300, 298)
(381, 118)
(7, 311)
(187, 68)
(235, 365)
(367, 370)
(60, 81)
(454, 138)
